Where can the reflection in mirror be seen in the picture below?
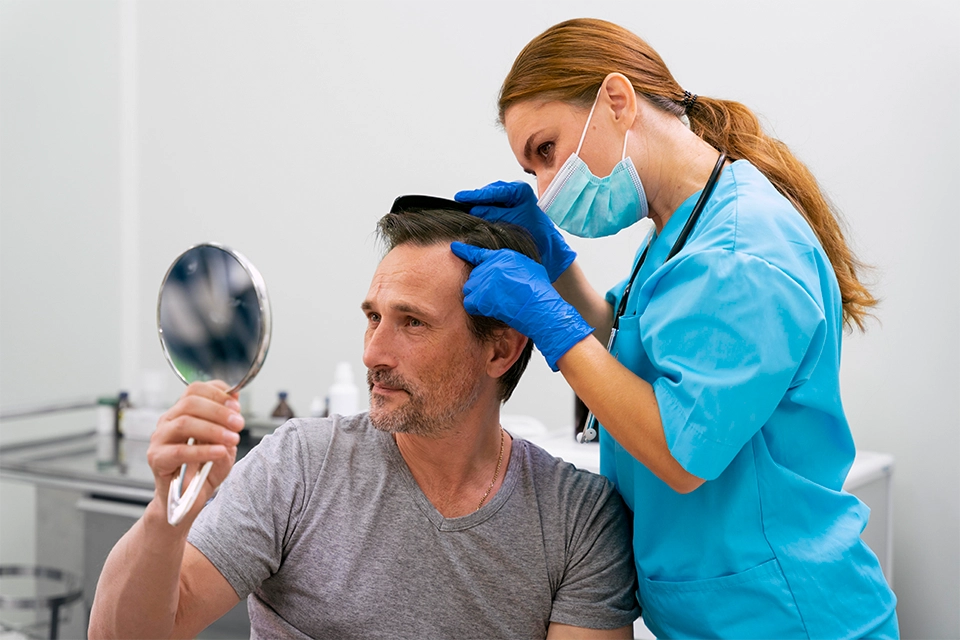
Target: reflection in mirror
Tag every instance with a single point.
(213, 318)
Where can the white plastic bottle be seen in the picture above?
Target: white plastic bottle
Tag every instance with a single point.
(343, 393)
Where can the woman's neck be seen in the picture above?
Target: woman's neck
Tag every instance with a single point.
(676, 163)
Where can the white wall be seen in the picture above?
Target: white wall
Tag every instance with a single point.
(59, 214)
(286, 129)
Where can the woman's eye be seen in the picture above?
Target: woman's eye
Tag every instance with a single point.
(544, 150)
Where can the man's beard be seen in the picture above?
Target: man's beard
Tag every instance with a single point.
(431, 409)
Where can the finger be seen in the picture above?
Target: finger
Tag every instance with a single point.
(216, 390)
(184, 427)
(166, 460)
(234, 393)
(483, 195)
(473, 255)
(225, 414)
(493, 213)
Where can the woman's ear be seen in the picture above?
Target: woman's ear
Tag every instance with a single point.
(506, 347)
(618, 95)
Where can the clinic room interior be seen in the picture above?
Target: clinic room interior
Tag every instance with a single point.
(131, 130)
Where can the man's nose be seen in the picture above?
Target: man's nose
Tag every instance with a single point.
(378, 348)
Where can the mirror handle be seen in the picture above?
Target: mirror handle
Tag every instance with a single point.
(178, 504)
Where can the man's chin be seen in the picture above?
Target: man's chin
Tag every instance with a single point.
(389, 421)
(400, 422)
(380, 423)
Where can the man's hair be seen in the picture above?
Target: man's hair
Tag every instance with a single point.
(427, 227)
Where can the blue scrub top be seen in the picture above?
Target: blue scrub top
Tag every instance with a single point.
(739, 334)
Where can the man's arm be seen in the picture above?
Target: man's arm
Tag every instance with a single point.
(557, 631)
(155, 584)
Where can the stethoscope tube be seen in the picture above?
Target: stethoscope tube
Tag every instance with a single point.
(589, 432)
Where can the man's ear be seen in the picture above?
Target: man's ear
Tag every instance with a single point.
(506, 347)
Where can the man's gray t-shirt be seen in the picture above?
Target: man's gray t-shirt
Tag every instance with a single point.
(325, 528)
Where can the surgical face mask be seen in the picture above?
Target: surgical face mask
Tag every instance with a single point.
(591, 207)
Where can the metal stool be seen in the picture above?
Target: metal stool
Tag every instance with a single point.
(68, 589)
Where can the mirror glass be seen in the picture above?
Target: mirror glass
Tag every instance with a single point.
(214, 316)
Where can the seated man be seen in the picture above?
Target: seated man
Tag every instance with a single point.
(420, 519)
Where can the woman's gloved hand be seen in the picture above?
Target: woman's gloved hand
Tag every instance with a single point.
(515, 202)
(514, 289)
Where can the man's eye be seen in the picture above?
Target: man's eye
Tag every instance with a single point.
(373, 318)
(415, 323)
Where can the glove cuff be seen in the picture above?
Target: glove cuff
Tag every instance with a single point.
(567, 256)
(559, 343)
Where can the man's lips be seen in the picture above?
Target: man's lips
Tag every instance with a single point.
(381, 388)
(381, 382)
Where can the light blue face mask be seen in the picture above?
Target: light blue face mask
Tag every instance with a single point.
(590, 207)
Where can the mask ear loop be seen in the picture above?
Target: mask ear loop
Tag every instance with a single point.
(626, 138)
(589, 117)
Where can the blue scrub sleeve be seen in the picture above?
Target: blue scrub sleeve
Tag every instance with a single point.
(729, 335)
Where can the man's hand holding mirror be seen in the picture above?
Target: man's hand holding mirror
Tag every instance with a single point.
(213, 317)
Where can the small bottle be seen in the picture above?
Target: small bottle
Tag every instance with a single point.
(107, 416)
(343, 393)
(282, 412)
(320, 407)
(106, 432)
(123, 402)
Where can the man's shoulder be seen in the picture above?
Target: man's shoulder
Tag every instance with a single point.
(313, 438)
(550, 471)
(355, 426)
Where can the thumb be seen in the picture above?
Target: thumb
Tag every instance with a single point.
(473, 255)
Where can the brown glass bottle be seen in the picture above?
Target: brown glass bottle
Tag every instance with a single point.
(282, 412)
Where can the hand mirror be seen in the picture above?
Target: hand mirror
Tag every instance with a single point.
(213, 318)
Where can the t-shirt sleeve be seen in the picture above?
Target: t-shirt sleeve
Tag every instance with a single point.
(729, 334)
(243, 530)
(599, 584)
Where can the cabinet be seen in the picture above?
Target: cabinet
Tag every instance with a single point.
(85, 503)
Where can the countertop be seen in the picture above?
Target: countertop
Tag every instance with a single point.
(87, 462)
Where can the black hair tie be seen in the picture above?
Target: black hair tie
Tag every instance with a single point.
(689, 99)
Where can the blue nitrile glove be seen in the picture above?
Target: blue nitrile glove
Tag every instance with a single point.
(514, 289)
(515, 202)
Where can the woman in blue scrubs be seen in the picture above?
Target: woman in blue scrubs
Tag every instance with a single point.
(719, 399)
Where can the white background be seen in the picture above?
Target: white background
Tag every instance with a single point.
(131, 130)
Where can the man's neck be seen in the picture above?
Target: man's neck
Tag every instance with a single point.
(455, 470)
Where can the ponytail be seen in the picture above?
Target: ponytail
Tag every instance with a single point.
(732, 127)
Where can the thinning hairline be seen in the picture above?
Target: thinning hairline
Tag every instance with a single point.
(367, 305)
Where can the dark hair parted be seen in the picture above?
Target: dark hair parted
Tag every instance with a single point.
(427, 227)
